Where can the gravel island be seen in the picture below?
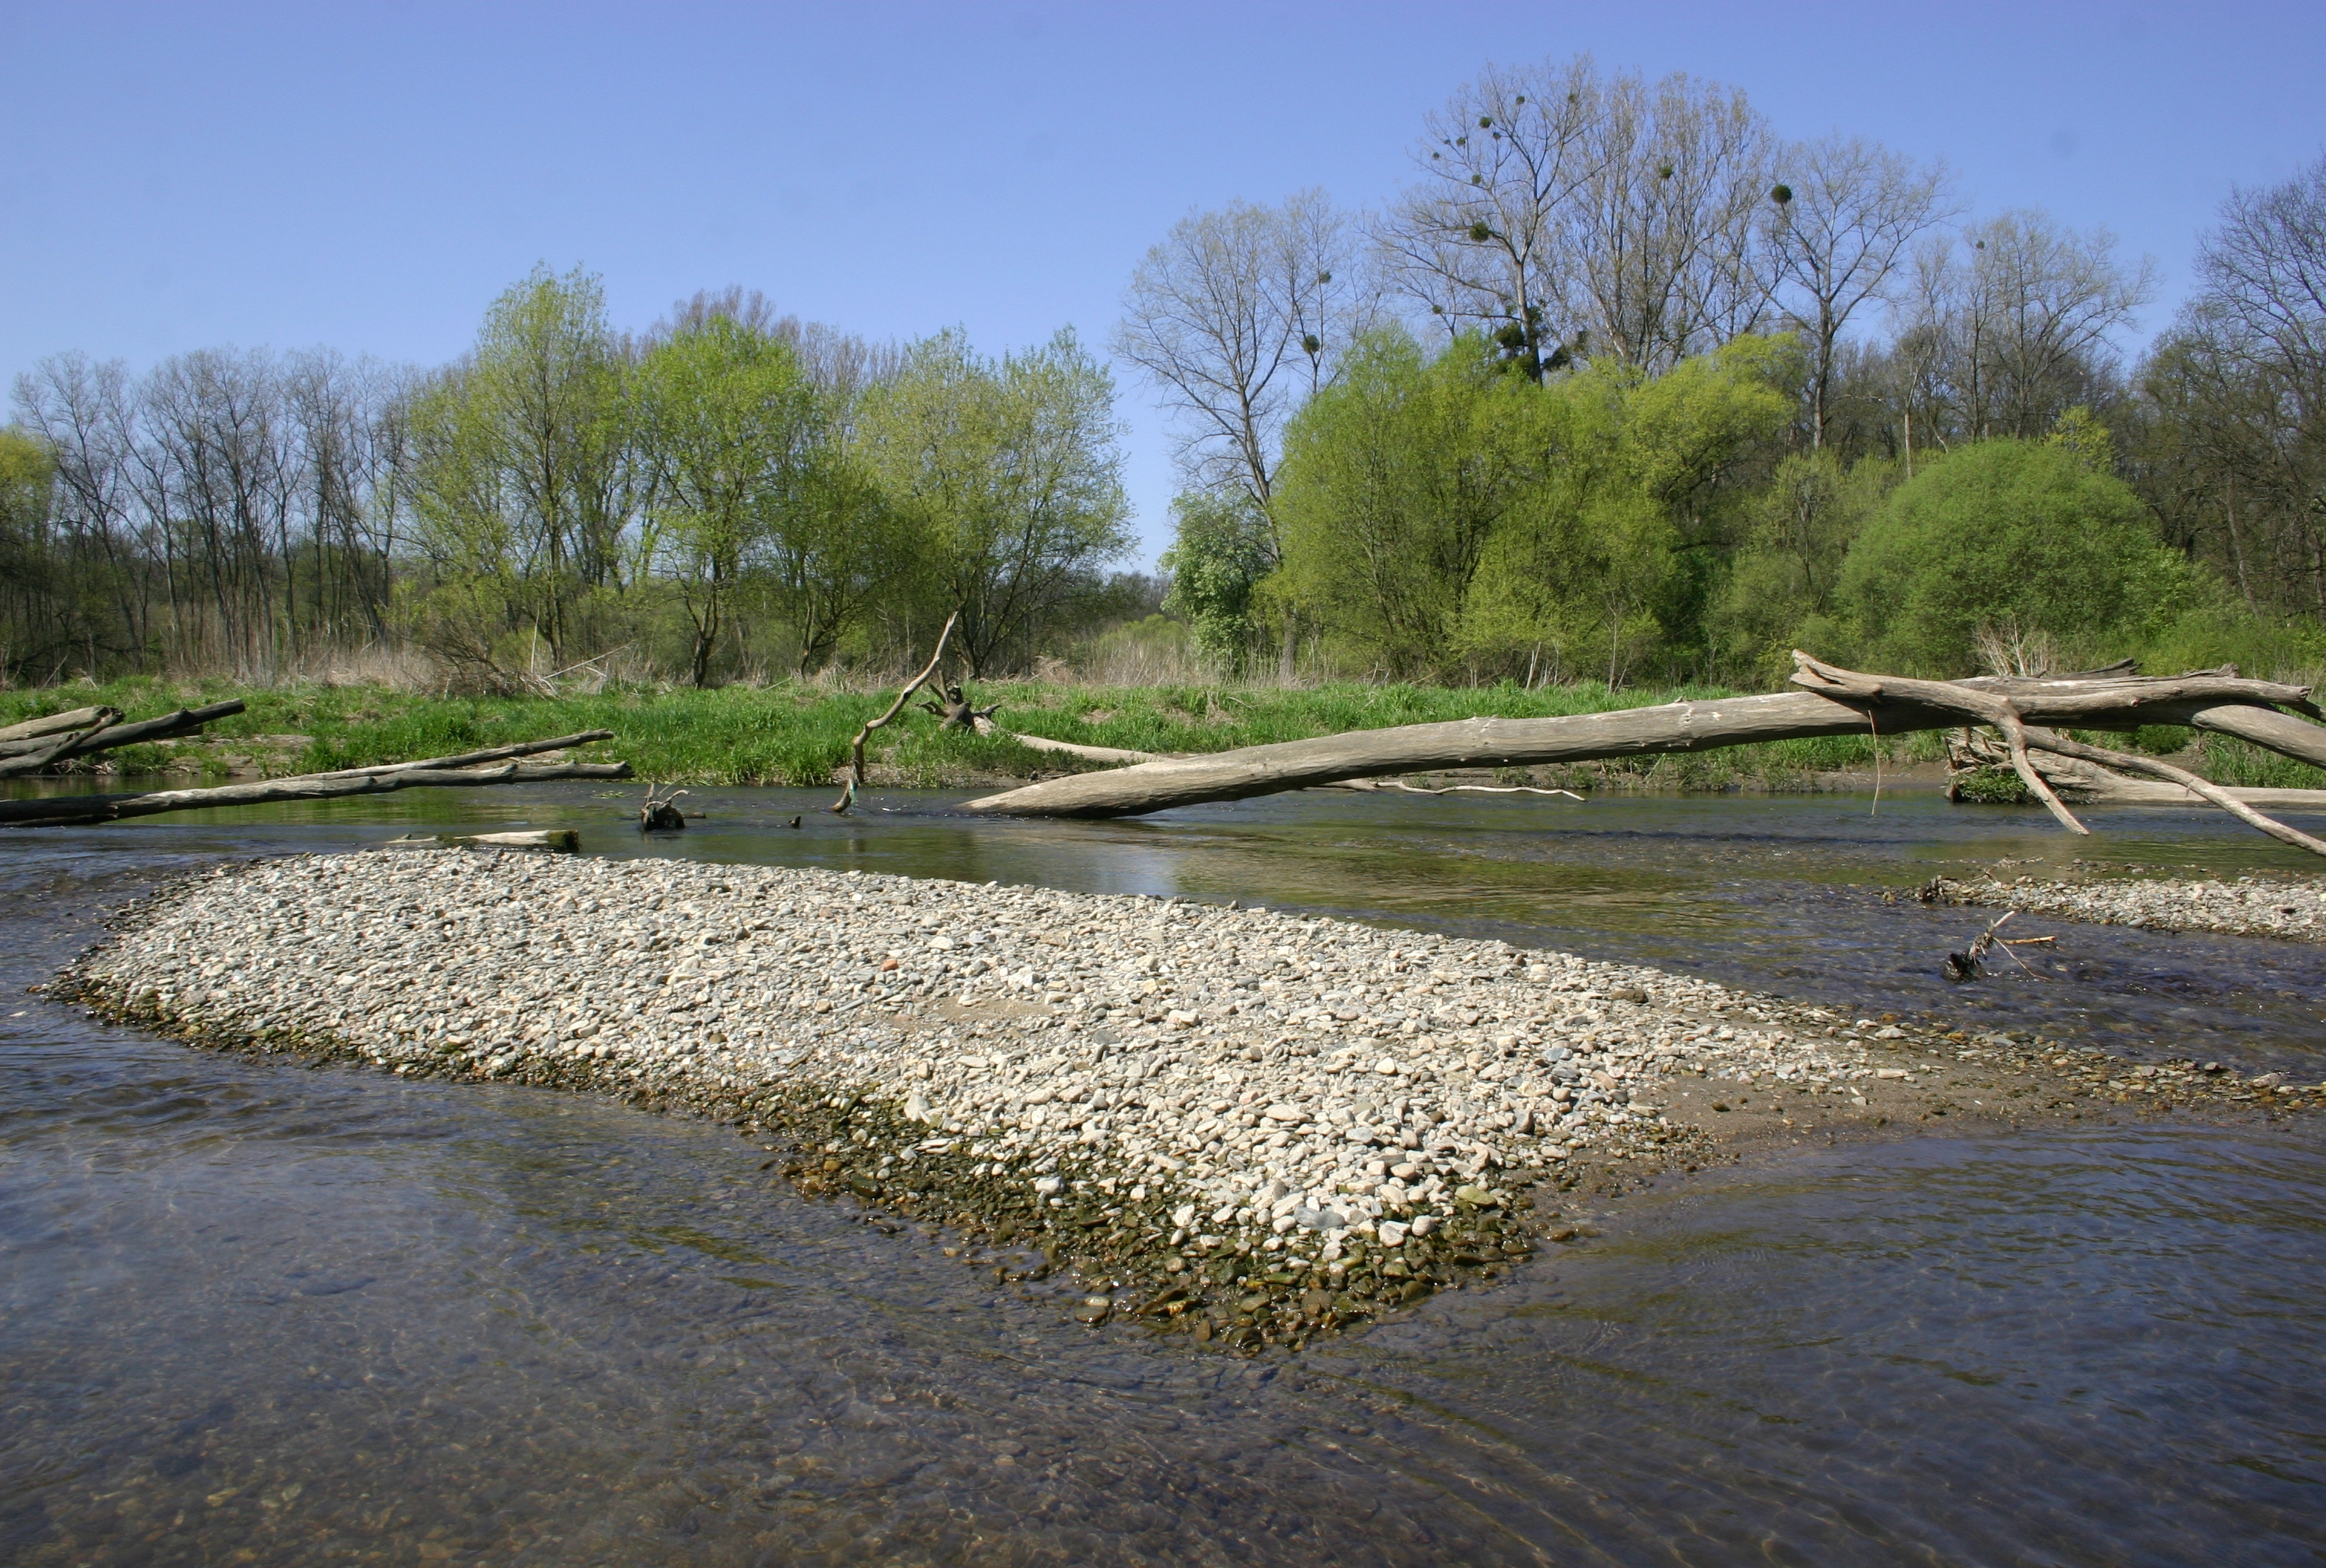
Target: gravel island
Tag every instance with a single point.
(1250, 1125)
(2284, 906)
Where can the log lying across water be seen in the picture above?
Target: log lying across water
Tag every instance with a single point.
(2105, 699)
(432, 772)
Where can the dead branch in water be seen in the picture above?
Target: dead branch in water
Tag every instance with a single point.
(856, 746)
(61, 811)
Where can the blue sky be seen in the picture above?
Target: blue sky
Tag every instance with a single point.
(369, 175)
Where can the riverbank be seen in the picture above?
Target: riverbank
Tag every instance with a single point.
(797, 733)
(1231, 1122)
(2293, 907)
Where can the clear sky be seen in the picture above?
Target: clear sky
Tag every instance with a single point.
(370, 173)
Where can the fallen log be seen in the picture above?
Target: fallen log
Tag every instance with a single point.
(471, 758)
(2103, 700)
(61, 811)
(58, 723)
(24, 756)
(547, 841)
(985, 726)
(2089, 783)
(2008, 714)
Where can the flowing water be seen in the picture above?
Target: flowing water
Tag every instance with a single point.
(252, 1313)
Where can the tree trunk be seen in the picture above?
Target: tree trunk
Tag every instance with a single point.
(58, 723)
(2102, 701)
(22, 756)
(60, 810)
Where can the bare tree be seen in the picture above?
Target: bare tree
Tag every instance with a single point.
(1483, 239)
(1662, 241)
(1563, 212)
(1239, 316)
(2234, 451)
(2024, 311)
(1837, 227)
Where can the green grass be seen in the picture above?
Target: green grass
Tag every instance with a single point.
(796, 735)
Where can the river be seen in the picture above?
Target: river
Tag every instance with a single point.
(252, 1313)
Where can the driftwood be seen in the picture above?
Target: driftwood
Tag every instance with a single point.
(662, 816)
(1967, 964)
(2083, 783)
(58, 723)
(2007, 714)
(546, 840)
(2217, 700)
(56, 810)
(954, 711)
(471, 758)
(22, 756)
(456, 771)
(856, 746)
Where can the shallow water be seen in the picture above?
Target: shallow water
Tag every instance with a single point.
(267, 1315)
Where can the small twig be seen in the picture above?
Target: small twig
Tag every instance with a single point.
(1480, 788)
(856, 746)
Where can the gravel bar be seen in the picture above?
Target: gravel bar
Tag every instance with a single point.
(2293, 907)
(1241, 1123)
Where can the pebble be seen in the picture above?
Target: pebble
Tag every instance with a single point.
(1212, 1086)
(2293, 907)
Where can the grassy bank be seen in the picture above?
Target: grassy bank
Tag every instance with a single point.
(798, 734)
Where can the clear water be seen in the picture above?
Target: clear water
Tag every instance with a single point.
(251, 1314)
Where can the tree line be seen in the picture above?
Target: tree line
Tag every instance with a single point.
(1621, 384)
(730, 493)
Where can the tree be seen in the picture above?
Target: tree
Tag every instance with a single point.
(1482, 240)
(1663, 237)
(2231, 443)
(518, 479)
(1238, 316)
(2020, 537)
(2019, 314)
(1008, 473)
(727, 428)
(1563, 213)
(1838, 223)
(1223, 549)
(1616, 555)
(1784, 588)
(1397, 480)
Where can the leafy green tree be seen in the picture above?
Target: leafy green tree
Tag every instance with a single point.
(29, 597)
(726, 429)
(1394, 484)
(2019, 537)
(1008, 474)
(1451, 513)
(1222, 551)
(519, 479)
(1783, 590)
